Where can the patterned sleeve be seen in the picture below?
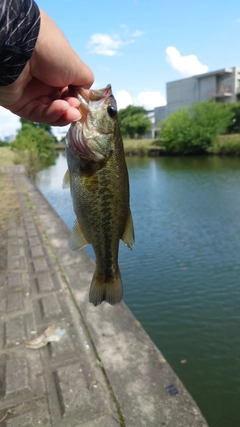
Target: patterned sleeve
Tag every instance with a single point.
(19, 28)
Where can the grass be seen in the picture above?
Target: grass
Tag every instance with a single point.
(131, 146)
(226, 145)
(140, 146)
(6, 157)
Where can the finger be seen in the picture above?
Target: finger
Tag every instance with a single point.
(72, 101)
(58, 111)
(34, 91)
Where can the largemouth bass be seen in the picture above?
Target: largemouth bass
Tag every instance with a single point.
(98, 178)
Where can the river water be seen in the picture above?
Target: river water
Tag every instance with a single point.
(182, 280)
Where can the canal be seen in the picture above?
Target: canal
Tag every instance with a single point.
(182, 280)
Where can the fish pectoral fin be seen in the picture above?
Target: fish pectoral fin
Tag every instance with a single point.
(66, 180)
(77, 239)
(128, 235)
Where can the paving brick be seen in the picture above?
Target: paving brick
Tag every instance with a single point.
(3, 279)
(17, 263)
(11, 223)
(75, 392)
(35, 414)
(50, 306)
(63, 347)
(40, 265)
(1, 379)
(32, 231)
(34, 241)
(13, 251)
(25, 420)
(37, 251)
(15, 301)
(13, 263)
(17, 376)
(15, 331)
(12, 232)
(13, 241)
(20, 232)
(26, 283)
(28, 219)
(45, 282)
(14, 279)
(2, 303)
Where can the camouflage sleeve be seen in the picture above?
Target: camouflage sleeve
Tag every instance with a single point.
(19, 28)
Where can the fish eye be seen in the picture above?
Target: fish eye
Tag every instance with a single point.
(111, 111)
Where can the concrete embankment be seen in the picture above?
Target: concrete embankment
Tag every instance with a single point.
(105, 371)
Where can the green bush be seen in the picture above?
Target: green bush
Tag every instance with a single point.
(134, 122)
(234, 126)
(192, 130)
(226, 145)
(34, 147)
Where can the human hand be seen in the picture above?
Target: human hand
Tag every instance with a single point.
(40, 93)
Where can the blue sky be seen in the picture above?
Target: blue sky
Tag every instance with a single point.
(139, 45)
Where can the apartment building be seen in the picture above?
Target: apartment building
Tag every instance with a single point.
(222, 85)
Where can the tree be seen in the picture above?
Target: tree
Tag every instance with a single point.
(34, 147)
(192, 130)
(36, 125)
(133, 121)
(234, 127)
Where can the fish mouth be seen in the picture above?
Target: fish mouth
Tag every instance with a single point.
(77, 136)
(90, 96)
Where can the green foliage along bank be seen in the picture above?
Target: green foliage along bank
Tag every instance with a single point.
(193, 130)
(34, 146)
(133, 122)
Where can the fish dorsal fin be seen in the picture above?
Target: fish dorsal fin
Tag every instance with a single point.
(77, 239)
(128, 235)
(66, 180)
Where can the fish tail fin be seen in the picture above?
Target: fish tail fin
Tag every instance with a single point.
(109, 290)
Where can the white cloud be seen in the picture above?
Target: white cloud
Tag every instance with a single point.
(104, 44)
(9, 123)
(188, 65)
(110, 45)
(150, 100)
(138, 33)
(123, 99)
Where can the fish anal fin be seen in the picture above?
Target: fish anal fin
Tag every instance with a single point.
(66, 180)
(105, 290)
(77, 239)
(128, 235)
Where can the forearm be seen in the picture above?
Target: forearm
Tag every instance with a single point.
(19, 28)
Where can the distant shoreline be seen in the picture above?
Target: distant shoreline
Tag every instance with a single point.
(228, 145)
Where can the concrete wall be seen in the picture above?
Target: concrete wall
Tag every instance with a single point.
(221, 84)
(181, 93)
(207, 87)
(160, 114)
